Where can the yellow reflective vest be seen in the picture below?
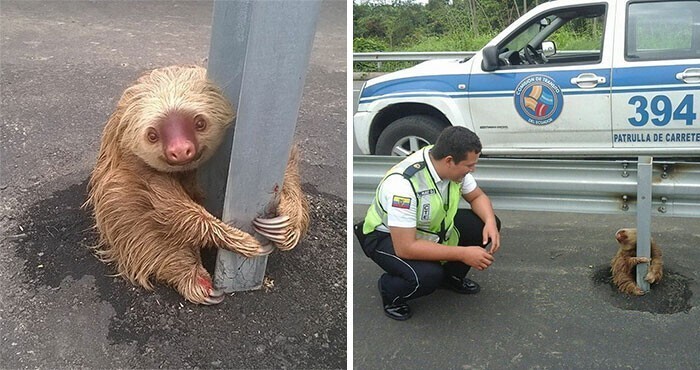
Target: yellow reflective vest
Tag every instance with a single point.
(434, 213)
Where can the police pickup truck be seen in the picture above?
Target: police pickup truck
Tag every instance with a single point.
(632, 89)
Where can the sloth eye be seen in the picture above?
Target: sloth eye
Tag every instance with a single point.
(200, 124)
(152, 135)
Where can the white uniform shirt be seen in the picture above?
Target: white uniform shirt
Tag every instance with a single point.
(397, 185)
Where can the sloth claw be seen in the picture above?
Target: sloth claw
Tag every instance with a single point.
(265, 249)
(275, 229)
(278, 230)
(293, 239)
(215, 297)
(272, 223)
(279, 236)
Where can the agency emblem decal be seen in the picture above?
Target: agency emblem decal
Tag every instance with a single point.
(425, 213)
(538, 99)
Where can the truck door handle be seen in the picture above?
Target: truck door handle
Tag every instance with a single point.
(689, 76)
(588, 80)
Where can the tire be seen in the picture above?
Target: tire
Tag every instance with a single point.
(408, 134)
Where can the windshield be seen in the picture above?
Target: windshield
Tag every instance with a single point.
(524, 37)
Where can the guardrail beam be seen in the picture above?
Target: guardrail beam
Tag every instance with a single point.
(410, 56)
(579, 186)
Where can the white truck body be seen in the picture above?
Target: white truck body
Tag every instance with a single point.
(618, 100)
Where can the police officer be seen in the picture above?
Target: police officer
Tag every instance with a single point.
(415, 231)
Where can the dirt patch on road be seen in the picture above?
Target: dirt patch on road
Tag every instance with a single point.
(671, 295)
(298, 320)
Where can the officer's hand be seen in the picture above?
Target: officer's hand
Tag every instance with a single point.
(476, 257)
(490, 233)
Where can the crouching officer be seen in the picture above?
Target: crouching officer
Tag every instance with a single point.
(415, 231)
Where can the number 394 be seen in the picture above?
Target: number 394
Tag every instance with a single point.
(661, 110)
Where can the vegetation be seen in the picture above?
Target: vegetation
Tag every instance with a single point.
(441, 25)
(467, 25)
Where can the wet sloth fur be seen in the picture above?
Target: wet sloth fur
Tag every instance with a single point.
(623, 265)
(144, 193)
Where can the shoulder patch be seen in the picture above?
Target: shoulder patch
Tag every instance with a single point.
(426, 192)
(401, 202)
(413, 169)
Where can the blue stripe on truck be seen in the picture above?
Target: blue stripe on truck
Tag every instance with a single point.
(631, 79)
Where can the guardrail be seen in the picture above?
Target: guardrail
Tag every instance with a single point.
(410, 56)
(417, 56)
(403, 56)
(581, 186)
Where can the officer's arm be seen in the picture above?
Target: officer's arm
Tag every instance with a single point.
(407, 246)
(481, 205)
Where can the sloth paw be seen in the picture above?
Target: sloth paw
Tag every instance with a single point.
(206, 294)
(652, 277)
(279, 230)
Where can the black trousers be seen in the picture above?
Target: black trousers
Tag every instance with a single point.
(409, 279)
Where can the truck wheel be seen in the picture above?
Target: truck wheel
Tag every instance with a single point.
(408, 134)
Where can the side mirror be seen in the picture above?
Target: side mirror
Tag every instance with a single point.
(489, 62)
(549, 48)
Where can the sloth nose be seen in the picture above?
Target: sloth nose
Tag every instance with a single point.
(180, 152)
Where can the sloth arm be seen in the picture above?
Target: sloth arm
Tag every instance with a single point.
(293, 211)
(655, 251)
(189, 223)
(292, 199)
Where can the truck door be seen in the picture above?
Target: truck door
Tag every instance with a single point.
(558, 97)
(656, 80)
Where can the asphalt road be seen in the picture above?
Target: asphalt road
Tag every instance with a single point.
(546, 303)
(64, 65)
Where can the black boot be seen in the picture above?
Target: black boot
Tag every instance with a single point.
(396, 310)
(461, 285)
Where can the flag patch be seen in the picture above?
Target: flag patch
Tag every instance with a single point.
(401, 202)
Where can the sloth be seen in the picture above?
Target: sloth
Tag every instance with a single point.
(144, 194)
(623, 265)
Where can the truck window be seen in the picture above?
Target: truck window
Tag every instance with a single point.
(577, 34)
(663, 30)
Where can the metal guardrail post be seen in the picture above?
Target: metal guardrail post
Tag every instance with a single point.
(259, 56)
(644, 176)
(229, 34)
